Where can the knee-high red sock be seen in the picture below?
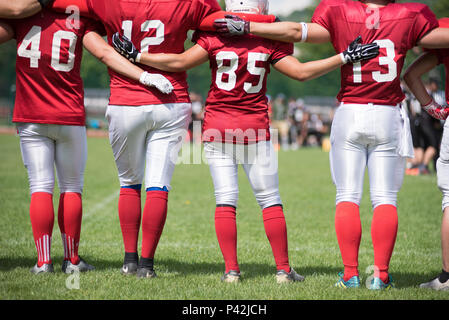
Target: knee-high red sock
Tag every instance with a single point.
(384, 228)
(276, 231)
(70, 213)
(153, 221)
(42, 220)
(226, 230)
(130, 211)
(349, 232)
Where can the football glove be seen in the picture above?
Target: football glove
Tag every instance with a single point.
(436, 111)
(126, 48)
(357, 52)
(156, 80)
(45, 3)
(231, 25)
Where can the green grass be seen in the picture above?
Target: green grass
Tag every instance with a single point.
(188, 260)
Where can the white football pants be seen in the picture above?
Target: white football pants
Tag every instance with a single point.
(146, 141)
(46, 146)
(367, 136)
(259, 161)
(443, 166)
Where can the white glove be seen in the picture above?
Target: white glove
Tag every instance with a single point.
(436, 111)
(156, 80)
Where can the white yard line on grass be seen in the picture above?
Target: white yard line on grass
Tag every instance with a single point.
(101, 205)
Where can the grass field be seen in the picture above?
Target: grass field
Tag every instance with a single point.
(188, 260)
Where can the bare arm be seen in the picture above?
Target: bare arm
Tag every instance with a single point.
(437, 38)
(99, 48)
(415, 71)
(6, 32)
(176, 62)
(291, 67)
(290, 31)
(16, 9)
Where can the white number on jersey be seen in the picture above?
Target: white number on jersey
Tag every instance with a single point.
(29, 48)
(127, 27)
(232, 57)
(387, 60)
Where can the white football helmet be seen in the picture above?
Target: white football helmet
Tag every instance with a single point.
(249, 6)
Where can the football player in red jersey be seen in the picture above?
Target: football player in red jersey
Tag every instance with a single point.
(369, 128)
(21, 8)
(426, 62)
(146, 128)
(236, 125)
(50, 118)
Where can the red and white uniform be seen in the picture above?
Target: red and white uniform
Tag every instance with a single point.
(149, 136)
(49, 106)
(157, 26)
(369, 128)
(237, 99)
(236, 126)
(396, 28)
(49, 88)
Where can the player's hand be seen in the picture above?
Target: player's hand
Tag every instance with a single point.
(357, 52)
(231, 25)
(125, 47)
(436, 111)
(156, 80)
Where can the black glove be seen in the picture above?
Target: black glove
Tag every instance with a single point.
(125, 47)
(231, 25)
(45, 3)
(357, 52)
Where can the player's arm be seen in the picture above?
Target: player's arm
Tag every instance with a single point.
(6, 32)
(437, 38)
(355, 52)
(99, 48)
(15, 9)
(413, 79)
(280, 31)
(162, 61)
(291, 31)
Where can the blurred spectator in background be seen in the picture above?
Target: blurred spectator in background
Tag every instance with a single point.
(279, 119)
(426, 131)
(197, 117)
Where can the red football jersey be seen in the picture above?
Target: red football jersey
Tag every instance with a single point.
(49, 88)
(157, 26)
(237, 106)
(396, 28)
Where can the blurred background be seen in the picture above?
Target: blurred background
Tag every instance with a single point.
(301, 111)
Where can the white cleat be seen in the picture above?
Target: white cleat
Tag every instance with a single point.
(231, 277)
(283, 276)
(435, 284)
(82, 266)
(45, 268)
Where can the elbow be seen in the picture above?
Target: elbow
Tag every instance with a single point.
(18, 10)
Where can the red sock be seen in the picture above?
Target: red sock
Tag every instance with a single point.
(384, 229)
(349, 232)
(153, 221)
(226, 230)
(70, 213)
(42, 219)
(276, 231)
(129, 211)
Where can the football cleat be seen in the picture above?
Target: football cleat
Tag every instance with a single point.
(145, 272)
(45, 268)
(283, 276)
(231, 277)
(436, 284)
(378, 284)
(82, 266)
(129, 268)
(353, 282)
